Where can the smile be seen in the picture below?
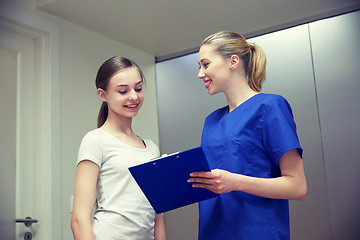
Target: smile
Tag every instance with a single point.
(207, 83)
(132, 106)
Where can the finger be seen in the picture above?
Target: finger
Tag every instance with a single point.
(205, 186)
(200, 180)
(201, 174)
(201, 185)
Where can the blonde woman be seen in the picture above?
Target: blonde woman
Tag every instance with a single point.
(251, 144)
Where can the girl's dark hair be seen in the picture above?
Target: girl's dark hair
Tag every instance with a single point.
(106, 71)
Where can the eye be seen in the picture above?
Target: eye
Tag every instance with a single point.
(205, 65)
(138, 89)
(122, 92)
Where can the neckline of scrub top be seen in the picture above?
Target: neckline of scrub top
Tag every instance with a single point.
(242, 104)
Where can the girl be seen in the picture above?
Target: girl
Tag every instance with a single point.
(105, 154)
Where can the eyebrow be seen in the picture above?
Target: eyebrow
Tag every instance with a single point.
(125, 85)
(204, 59)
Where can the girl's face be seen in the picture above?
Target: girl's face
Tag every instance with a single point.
(214, 69)
(124, 94)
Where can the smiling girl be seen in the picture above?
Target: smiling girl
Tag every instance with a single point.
(105, 154)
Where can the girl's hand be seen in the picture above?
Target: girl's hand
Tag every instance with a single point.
(217, 181)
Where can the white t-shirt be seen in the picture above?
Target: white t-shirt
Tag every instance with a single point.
(123, 210)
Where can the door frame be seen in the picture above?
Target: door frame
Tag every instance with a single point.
(47, 138)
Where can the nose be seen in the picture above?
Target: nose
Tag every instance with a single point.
(133, 95)
(201, 73)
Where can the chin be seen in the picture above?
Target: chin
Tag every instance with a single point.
(129, 114)
(133, 115)
(212, 92)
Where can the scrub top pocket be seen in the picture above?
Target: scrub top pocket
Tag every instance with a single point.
(243, 157)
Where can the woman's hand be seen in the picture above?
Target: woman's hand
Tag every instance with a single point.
(290, 185)
(217, 181)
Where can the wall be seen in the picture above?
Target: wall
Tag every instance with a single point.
(336, 54)
(81, 53)
(325, 105)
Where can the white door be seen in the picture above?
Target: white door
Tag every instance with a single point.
(17, 105)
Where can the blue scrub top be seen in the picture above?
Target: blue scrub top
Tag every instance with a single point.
(250, 140)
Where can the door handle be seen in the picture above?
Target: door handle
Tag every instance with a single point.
(27, 221)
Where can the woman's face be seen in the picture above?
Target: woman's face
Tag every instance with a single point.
(124, 94)
(214, 69)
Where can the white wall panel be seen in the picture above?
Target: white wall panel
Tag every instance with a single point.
(336, 52)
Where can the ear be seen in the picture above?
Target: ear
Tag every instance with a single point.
(234, 61)
(102, 94)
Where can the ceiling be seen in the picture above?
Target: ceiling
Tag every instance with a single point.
(166, 28)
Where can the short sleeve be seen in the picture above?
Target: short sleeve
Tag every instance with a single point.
(90, 150)
(279, 131)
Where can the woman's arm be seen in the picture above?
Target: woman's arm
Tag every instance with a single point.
(291, 184)
(85, 187)
(159, 229)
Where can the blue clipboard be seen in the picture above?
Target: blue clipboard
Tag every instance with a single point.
(164, 180)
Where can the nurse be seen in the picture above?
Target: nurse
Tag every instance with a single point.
(251, 145)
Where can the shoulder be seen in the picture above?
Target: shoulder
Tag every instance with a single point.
(93, 134)
(277, 107)
(271, 101)
(96, 138)
(91, 147)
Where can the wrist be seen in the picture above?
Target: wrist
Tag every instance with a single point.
(240, 182)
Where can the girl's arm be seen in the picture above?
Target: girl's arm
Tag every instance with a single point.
(159, 229)
(291, 184)
(85, 187)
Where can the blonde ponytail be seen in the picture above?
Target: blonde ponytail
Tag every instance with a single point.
(257, 67)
